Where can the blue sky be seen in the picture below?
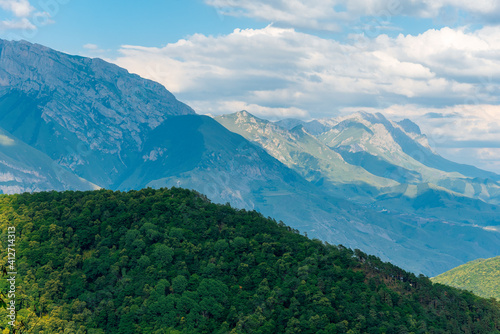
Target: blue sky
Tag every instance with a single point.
(111, 24)
(435, 62)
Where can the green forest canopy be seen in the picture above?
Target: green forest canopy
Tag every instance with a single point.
(169, 261)
(480, 276)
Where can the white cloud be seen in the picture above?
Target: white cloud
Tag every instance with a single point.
(279, 72)
(298, 13)
(20, 8)
(90, 46)
(17, 24)
(23, 16)
(331, 14)
(278, 67)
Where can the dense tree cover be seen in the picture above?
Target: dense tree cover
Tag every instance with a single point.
(481, 276)
(169, 261)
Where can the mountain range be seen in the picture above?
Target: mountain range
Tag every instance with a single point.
(69, 122)
(373, 161)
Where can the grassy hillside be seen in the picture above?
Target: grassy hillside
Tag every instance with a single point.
(169, 261)
(480, 276)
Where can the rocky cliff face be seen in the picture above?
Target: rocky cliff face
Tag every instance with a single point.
(92, 110)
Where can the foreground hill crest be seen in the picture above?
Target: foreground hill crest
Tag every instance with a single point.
(481, 276)
(168, 260)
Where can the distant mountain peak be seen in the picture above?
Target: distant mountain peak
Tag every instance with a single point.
(73, 108)
(289, 123)
(244, 113)
(78, 93)
(409, 126)
(244, 116)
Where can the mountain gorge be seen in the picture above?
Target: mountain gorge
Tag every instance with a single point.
(70, 122)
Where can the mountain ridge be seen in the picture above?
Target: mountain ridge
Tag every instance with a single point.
(96, 110)
(165, 144)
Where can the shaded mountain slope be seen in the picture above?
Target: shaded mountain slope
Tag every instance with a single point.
(77, 109)
(24, 169)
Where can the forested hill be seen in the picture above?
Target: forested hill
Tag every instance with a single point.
(169, 261)
(481, 276)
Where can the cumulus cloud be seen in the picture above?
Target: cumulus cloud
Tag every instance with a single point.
(20, 24)
(280, 67)
(93, 50)
(91, 46)
(20, 8)
(24, 16)
(331, 14)
(280, 72)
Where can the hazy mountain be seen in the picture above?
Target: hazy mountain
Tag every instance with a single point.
(481, 276)
(300, 150)
(371, 141)
(313, 127)
(86, 114)
(360, 157)
(367, 151)
(119, 131)
(24, 169)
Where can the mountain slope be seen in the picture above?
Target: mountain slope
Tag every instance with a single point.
(479, 276)
(369, 151)
(24, 169)
(299, 150)
(119, 131)
(362, 161)
(76, 109)
(169, 261)
(363, 137)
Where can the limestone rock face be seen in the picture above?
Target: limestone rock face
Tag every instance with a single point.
(92, 109)
(82, 94)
